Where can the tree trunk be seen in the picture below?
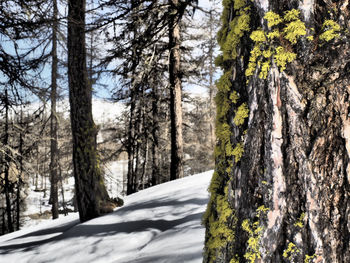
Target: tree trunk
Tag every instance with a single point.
(176, 162)
(54, 121)
(7, 167)
(286, 196)
(155, 136)
(20, 172)
(134, 91)
(89, 186)
(130, 146)
(212, 87)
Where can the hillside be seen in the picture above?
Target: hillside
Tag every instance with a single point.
(159, 224)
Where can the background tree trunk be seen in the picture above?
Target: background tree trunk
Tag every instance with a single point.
(54, 121)
(176, 165)
(90, 189)
(286, 198)
(155, 136)
(7, 183)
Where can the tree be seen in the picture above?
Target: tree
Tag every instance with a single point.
(8, 186)
(176, 10)
(91, 193)
(280, 190)
(208, 48)
(54, 117)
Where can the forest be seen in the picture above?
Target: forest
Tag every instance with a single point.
(58, 58)
(221, 128)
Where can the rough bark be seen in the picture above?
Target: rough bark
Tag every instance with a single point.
(291, 186)
(54, 121)
(176, 165)
(90, 190)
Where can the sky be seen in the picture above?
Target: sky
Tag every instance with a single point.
(108, 81)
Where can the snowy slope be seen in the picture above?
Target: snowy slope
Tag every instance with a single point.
(159, 224)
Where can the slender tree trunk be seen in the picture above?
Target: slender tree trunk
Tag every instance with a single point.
(90, 190)
(131, 143)
(134, 92)
(20, 172)
(7, 167)
(145, 178)
(54, 121)
(211, 82)
(286, 198)
(62, 193)
(176, 163)
(155, 136)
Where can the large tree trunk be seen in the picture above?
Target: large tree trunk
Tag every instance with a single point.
(90, 190)
(54, 121)
(176, 162)
(286, 197)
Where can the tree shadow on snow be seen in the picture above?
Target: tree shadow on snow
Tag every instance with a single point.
(162, 202)
(72, 230)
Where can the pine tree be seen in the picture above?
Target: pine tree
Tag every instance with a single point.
(280, 190)
(91, 193)
(54, 117)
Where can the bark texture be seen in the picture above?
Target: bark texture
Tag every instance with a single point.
(288, 193)
(91, 193)
(176, 165)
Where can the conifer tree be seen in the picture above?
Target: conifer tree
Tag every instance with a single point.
(91, 193)
(54, 117)
(280, 190)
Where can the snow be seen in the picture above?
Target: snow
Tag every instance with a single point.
(103, 111)
(159, 224)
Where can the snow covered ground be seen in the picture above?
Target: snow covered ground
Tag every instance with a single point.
(159, 224)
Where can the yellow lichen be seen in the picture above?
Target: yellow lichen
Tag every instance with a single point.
(283, 56)
(265, 67)
(300, 223)
(234, 96)
(291, 15)
(272, 19)
(220, 233)
(219, 217)
(237, 152)
(273, 34)
(241, 114)
(294, 30)
(238, 25)
(290, 251)
(254, 232)
(261, 210)
(267, 53)
(258, 36)
(254, 54)
(332, 30)
(234, 260)
(308, 259)
(238, 4)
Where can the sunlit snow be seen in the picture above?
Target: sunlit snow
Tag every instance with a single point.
(159, 224)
